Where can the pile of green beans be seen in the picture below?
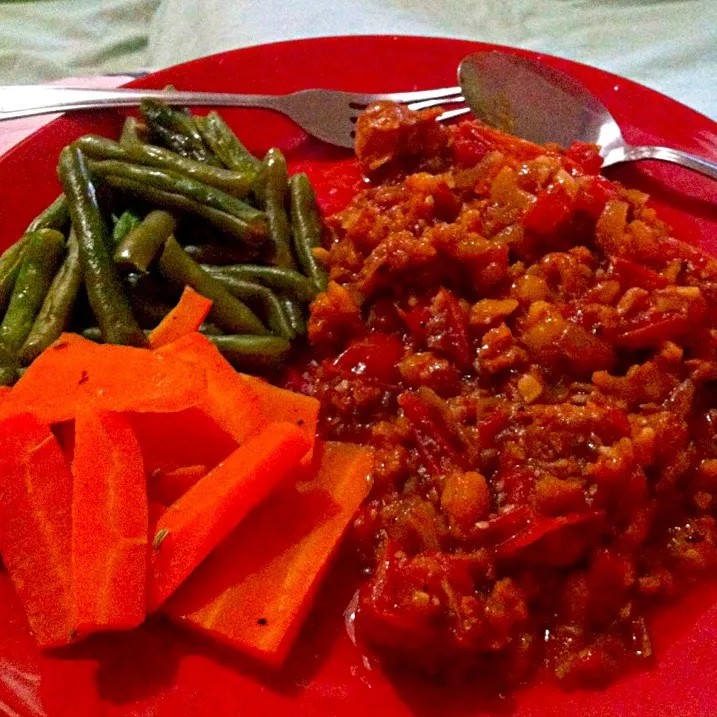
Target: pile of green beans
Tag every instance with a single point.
(178, 201)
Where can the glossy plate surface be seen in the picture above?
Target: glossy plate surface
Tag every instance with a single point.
(162, 671)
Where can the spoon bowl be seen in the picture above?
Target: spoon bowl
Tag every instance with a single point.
(533, 100)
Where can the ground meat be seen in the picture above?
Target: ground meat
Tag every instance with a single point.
(532, 355)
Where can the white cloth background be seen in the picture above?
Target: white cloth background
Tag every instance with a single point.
(669, 45)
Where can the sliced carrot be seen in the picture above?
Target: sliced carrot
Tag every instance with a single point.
(116, 378)
(186, 317)
(194, 525)
(35, 526)
(167, 487)
(109, 524)
(5, 392)
(65, 434)
(185, 438)
(255, 590)
(242, 405)
(278, 404)
(228, 400)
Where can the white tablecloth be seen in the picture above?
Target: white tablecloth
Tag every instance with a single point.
(669, 45)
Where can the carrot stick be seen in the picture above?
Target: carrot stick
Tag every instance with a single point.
(109, 524)
(185, 318)
(255, 589)
(35, 526)
(242, 405)
(194, 525)
(116, 378)
(185, 438)
(167, 487)
(227, 400)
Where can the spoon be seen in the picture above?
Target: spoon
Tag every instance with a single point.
(539, 103)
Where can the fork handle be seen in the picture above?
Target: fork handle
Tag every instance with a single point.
(27, 100)
(664, 154)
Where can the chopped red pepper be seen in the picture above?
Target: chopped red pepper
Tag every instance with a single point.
(552, 207)
(377, 357)
(586, 156)
(630, 274)
(593, 195)
(433, 438)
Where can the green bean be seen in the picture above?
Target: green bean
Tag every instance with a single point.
(176, 130)
(248, 290)
(57, 308)
(54, 217)
(134, 133)
(41, 257)
(128, 220)
(10, 263)
(210, 329)
(139, 248)
(306, 227)
(285, 281)
(186, 186)
(218, 136)
(273, 188)
(227, 311)
(237, 184)
(231, 225)
(252, 351)
(9, 367)
(107, 299)
(294, 314)
(93, 333)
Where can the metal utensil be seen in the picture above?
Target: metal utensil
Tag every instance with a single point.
(327, 114)
(539, 103)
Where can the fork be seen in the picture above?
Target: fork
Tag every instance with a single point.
(329, 115)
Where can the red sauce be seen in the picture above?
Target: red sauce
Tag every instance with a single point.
(534, 360)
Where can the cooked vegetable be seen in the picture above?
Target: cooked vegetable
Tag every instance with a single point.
(248, 290)
(231, 225)
(252, 352)
(255, 589)
(109, 524)
(273, 189)
(186, 317)
(35, 513)
(225, 145)
(57, 307)
(176, 130)
(127, 221)
(194, 525)
(142, 243)
(10, 263)
(242, 404)
(104, 290)
(170, 181)
(294, 314)
(40, 259)
(118, 378)
(54, 217)
(230, 313)
(237, 184)
(286, 281)
(167, 487)
(306, 228)
(170, 441)
(133, 133)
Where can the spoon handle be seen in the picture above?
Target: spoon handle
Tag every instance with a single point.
(664, 154)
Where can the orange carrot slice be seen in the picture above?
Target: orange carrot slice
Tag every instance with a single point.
(185, 438)
(35, 526)
(194, 525)
(109, 524)
(255, 590)
(186, 317)
(167, 487)
(242, 405)
(116, 378)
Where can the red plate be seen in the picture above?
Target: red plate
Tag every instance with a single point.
(160, 670)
